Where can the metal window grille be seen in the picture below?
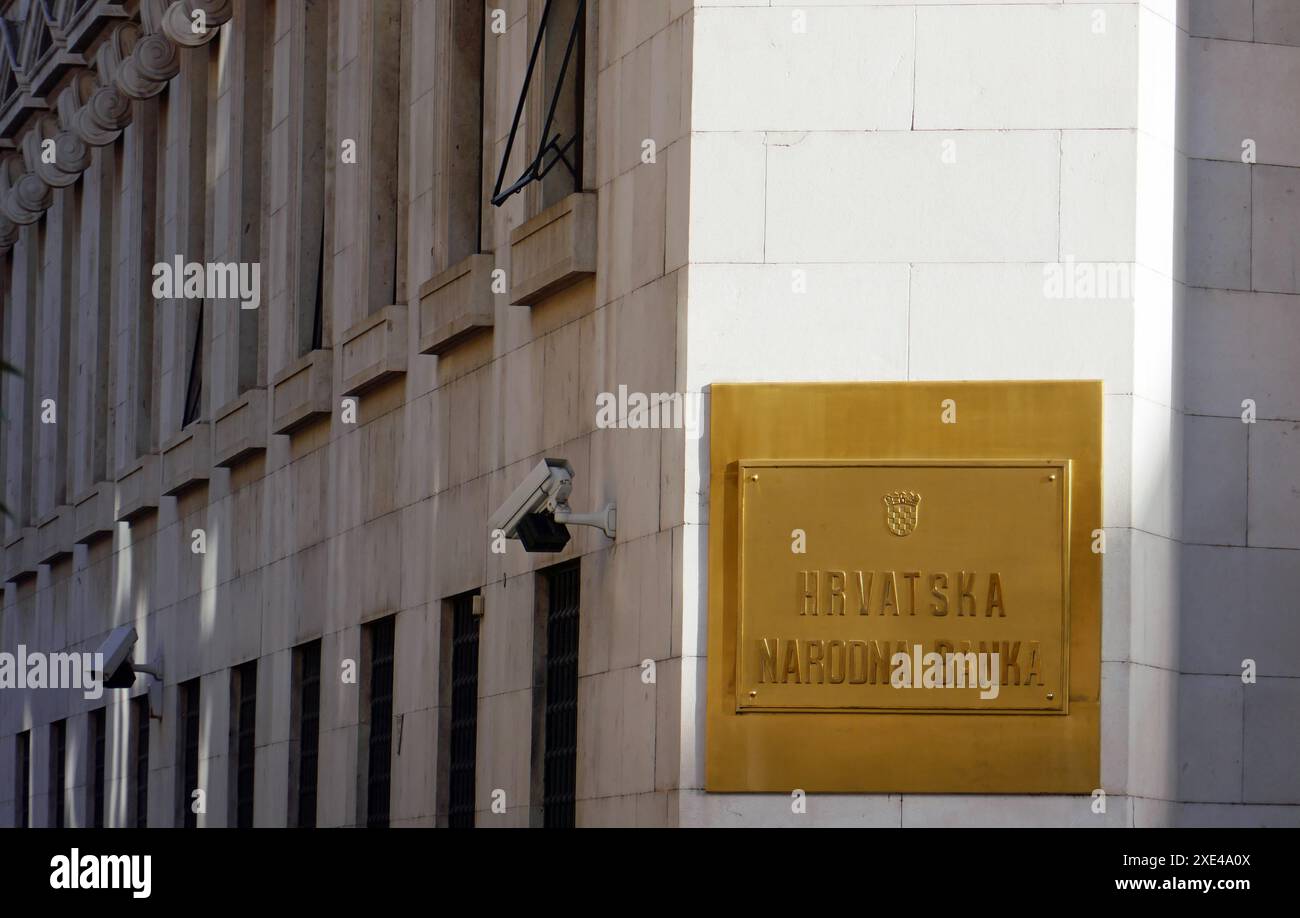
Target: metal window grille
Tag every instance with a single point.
(59, 761)
(98, 738)
(246, 732)
(141, 706)
(560, 757)
(24, 771)
(381, 723)
(559, 148)
(308, 732)
(189, 752)
(464, 712)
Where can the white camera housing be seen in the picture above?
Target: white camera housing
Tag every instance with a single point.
(542, 501)
(119, 670)
(117, 649)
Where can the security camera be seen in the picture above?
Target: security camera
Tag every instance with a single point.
(537, 511)
(119, 670)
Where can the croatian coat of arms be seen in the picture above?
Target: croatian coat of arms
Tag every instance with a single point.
(901, 511)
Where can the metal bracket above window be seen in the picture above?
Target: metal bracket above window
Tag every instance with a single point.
(559, 147)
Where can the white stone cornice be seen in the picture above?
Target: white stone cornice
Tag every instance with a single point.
(184, 27)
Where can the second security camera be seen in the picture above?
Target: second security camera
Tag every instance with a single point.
(538, 509)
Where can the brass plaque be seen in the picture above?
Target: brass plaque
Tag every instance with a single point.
(906, 499)
(845, 565)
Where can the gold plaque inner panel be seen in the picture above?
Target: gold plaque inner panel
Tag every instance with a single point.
(845, 565)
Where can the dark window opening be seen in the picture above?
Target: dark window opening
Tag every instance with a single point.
(379, 760)
(98, 745)
(140, 708)
(194, 389)
(560, 752)
(463, 161)
(312, 164)
(318, 306)
(58, 773)
(463, 759)
(23, 771)
(308, 732)
(562, 33)
(189, 738)
(244, 734)
(384, 159)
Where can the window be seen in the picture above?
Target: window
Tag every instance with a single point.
(554, 87)
(252, 105)
(140, 713)
(93, 345)
(463, 731)
(380, 723)
(383, 157)
(188, 736)
(138, 188)
(557, 642)
(58, 773)
(23, 772)
(194, 385)
(312, 162)
(61, 279)
(307, 734)
(243, 735)
(565, 40)
(98, 724)
(462, 162)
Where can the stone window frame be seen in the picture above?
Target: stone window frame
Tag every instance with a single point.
(538, 196)
(311, 286)
(466, 81)
(384, 155)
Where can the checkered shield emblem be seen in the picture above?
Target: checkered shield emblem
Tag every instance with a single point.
(901, 511)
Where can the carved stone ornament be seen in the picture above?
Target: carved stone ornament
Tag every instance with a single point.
(104, 110)
(149, 57)
(26, 196)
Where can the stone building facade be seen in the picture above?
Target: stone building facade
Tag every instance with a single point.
(284, 489)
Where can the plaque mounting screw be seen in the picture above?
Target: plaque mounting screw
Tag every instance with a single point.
(753, 694)
(1051, 695)
(1051, 478)
(753, 478)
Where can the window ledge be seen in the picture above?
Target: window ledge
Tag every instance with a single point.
(94, 514)
(239, 432)
(187, 459)
(301, 393)
(138, 488)
(20, 555)
(54, 536)
(457, 304)
(374, 350)
(553, 250)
